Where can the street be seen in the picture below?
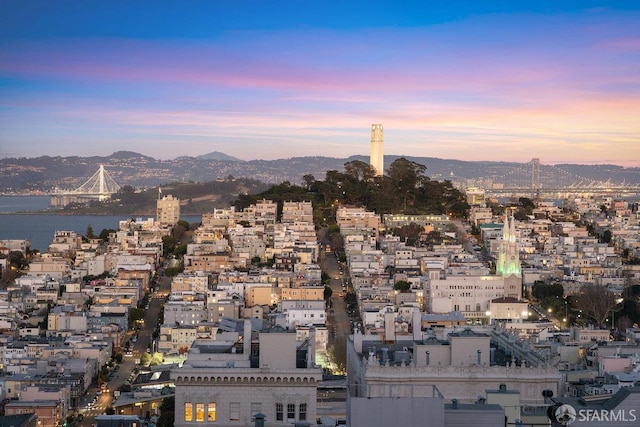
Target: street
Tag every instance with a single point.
(338, 321)
(124, 372)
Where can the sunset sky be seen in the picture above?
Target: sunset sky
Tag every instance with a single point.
(476, 80)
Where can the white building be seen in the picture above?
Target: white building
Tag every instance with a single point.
(221, 383)
(168, 210)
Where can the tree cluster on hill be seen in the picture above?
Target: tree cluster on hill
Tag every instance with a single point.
(403, 189)
(197, 198)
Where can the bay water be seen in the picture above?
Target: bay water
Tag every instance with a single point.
(21, 218)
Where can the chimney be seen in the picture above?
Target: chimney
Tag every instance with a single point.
(390, 326)
(417, 325)
(246, 339)
(428, 361)
(384, 355)
(479, 358)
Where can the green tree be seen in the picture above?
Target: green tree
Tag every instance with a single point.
(17, 260)
(409, 233)
(407, 175)
(127, 195)
(181, 250)
(156, 359)
(173, 271)
(104, 234)
(324, 277)
(359, 170)
(178, 231)
(402, 285)
(526, 203)
(135, 315)
(184, 224)
(542, 291)
(167, 412)
(308, 180)
(596, 302)
(145, 358)
(168, 244)
(89, 234)
(327, 292)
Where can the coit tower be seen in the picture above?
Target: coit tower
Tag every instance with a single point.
(376, 158)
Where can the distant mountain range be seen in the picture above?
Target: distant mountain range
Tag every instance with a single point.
(47, 173)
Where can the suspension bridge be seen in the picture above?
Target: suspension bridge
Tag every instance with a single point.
(534, 179)
(99, 187)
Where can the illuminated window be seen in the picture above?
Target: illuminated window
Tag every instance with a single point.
(302, 413)
(188, 411)
(279, 412)
(211, 411)
(291, 411)
(234, 411)
(200, 412)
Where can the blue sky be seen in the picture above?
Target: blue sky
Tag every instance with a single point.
(499, 80)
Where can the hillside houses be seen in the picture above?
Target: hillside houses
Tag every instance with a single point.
(248, 315)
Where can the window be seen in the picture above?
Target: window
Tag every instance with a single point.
(291, 411)
(256, 407)
(200, 412)
(279, 412)
(188, 411)
(211, 411)
(234, 411)
(302, 413)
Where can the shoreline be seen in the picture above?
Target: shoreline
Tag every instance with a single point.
(78, 213)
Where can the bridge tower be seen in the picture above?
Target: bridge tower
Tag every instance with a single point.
(535, 178)
(99, 187)
(100, 184)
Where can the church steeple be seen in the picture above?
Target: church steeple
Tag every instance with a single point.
(509, 256)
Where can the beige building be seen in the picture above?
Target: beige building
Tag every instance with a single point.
(168, 210)
(293, 212)
(228, 387)
(197, 282)
(48, 412)
(509, 310)
(260, 294)
(176, 340)
(459, 366)
(208, 263)
(305, 293)
(52, 266)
